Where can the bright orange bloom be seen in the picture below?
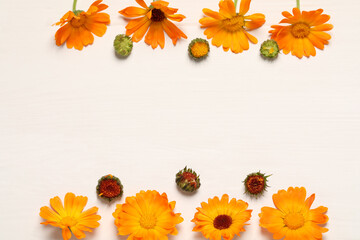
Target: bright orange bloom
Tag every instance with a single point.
(305, 32)
(147, 216)
(228, 28)
(293, 217)
(70, 218)
(77, 29)
(155, 18)
(221, 218)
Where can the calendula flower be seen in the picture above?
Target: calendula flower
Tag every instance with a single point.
(109, 187)
(221, 218)
(155, 18)
(78, 27)
(293, 218)
(148, 215)
(228, 28)
(304, 32)
(198, 49)
(256, 184)
(70, 216)
(187, 179)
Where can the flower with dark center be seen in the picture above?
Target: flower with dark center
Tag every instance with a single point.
(109, 187)
(152, 22)
(221, 218)
(256, 184)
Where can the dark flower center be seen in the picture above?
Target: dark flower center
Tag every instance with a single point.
(255, 184)
(222, 222)
(157, 15)
(109, 188)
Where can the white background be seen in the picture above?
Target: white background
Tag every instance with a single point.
(68, 117)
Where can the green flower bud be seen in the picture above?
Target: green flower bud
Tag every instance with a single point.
(198, 48)
(187, 180)
(123, 45)
(269, 49)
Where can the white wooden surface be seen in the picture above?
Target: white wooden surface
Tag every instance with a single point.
(69, 117)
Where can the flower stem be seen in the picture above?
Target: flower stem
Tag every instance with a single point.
(298, 4)
(235, 3)
(74, 5)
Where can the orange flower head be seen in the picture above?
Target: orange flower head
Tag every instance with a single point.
(306, 30)
(155, 18)
(148, 215)
(77, 28)
(293, 219)
(228, 28)
(70, 216)
(221, 218)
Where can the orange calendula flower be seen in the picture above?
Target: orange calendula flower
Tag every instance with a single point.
(219, 219)
(78, 26)
(148, 215)
(228, 28)
(155, 18)
(306, 30)
(70, 217)
(293, 218)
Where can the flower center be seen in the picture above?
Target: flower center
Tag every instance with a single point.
(157, 15)
(300, 30)
(148, 221)
(109, 188)
(222, 222)
(78, 21)
(294, 220)
(68, 222)
(234, 24)
(255, 184)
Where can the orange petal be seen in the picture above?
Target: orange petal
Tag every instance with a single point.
(140, 32)
(227, 8)
(66, 233)
(173, 31)
(212, 14)
(251, 37)
(133, 12)
(256, 21)
(142, 3)
(244, 6)
(176, 17)
(323, 27)
(63, 34)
